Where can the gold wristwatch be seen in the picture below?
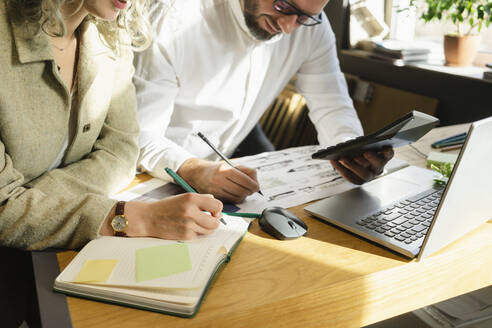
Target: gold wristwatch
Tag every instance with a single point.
(119, 222)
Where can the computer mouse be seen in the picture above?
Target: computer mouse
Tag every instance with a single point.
(281, 223)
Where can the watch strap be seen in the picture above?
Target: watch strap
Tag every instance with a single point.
(120, 208)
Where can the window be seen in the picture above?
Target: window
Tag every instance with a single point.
(406, 25)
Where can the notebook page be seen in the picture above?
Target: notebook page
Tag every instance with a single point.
(175, 295)
(205, 252)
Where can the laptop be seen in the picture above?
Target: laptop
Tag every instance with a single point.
(407, 213)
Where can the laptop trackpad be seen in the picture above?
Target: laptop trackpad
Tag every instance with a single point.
(361, 202)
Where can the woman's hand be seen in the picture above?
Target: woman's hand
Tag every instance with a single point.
(178, 217)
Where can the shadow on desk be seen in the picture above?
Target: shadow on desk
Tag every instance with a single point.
(340, 237)
(376, 249)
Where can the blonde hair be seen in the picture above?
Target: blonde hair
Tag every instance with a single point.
(46, 15)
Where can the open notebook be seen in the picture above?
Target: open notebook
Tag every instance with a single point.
(159, 275)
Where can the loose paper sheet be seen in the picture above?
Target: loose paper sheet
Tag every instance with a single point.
(290, 177)
(287, 178)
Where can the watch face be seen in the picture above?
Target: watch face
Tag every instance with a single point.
(119, 223)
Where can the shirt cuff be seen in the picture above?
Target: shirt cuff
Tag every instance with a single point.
(155, 164)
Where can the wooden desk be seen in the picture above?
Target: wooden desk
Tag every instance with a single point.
(328, 278)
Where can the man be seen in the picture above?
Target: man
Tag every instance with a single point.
(216, 65)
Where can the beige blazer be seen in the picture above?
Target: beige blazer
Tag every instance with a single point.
(63, 207)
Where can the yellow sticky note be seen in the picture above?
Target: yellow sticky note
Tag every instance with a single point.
(94, 271)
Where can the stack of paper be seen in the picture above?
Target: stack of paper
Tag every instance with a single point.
(399, 52)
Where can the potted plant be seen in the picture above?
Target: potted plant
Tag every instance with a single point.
(468, 18)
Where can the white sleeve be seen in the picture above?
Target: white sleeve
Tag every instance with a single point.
(322, 83)
(157, 86)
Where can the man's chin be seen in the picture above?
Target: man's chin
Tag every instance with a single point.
(256, 30)
(261, 34)
(265, 37)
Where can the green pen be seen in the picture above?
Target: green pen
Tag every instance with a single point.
(185, 185)
(180, 180)
(243, 215)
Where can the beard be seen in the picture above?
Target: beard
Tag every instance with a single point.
(251, 18)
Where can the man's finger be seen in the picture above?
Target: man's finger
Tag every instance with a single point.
(234, 198)
(248, 171)
(388, 153)
(242, 180)
(362, 161)
(234, 189)
(361, 172)
(345, 173)
(377, 161)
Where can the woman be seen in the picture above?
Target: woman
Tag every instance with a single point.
(68, 131)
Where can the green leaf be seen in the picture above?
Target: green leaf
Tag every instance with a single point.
(480, 13)
(488, 8)
(444, 169)
(474, 12)
(436, 168)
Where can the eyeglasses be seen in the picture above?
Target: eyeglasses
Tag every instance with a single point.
(286, 8)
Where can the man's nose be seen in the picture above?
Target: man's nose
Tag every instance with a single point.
(287, 23)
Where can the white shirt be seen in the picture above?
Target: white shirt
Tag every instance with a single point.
(206, 73)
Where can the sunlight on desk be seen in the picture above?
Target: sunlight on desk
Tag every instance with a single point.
(139, 178)
(328, 278)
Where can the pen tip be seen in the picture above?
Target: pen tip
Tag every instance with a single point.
(259, 191)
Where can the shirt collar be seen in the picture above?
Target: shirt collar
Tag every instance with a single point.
(239, 16)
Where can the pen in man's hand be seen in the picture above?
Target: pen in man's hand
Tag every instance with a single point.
(202, 136)
(179, 180)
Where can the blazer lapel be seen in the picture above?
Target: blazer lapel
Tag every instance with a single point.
(95, 61)
(95, 74)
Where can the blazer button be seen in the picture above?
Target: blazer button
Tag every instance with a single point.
(86, 128)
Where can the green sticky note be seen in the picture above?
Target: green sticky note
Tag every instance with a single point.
(94, 271)
(162, 261)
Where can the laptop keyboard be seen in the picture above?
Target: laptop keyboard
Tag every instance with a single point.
(406, 221)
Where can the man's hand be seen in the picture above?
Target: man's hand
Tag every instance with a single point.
(363, 168)
(220, 179)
